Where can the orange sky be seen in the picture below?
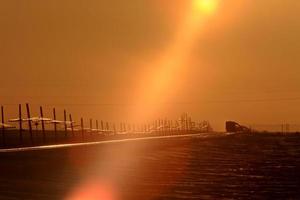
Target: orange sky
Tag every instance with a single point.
(101, 57)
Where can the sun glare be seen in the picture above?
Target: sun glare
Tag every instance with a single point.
(207, 7)
(171, 61)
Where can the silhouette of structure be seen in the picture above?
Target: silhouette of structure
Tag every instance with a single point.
(59, 134)
(234, 127)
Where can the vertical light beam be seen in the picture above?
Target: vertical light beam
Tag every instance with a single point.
(172, 60)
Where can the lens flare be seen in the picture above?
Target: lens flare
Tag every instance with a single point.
(206, 7)
(171, 61)
(93, 190)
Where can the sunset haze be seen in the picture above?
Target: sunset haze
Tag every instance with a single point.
(217, 60)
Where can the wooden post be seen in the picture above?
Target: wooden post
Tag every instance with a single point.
(65, 120)
(82, 129)
(91, 126)
(186, 123)
(55, 125)
(124, 127)
(190, 124)
(20, 124)
(166, 126)
(159, 126)
(43, 124)
(102, 126)
(29, 123)
(107, 126)
(3, 128)
(72, 129)
(114, 127)
(97, 126)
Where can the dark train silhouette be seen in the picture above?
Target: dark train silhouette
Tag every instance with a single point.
(232, 126)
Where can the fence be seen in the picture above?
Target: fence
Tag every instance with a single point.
(280, 128)
(33, 131)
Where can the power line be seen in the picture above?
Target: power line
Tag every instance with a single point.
(167, 103)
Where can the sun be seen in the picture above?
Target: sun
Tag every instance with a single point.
(207, 7)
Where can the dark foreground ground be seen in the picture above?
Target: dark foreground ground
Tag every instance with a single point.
(226, 167)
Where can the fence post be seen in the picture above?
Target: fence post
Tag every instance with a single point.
(43, 125)
(20, 124)
(29, 122)
(3, 128)
(129, 127)
(107, 126)
(72, 129)
(97, 126)
(124, 127)
(55, 125)
(65, 120)
(158, 126)
(82, 128)
(102, 127)
(121, 127)
(115, 130)
(91, 126)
